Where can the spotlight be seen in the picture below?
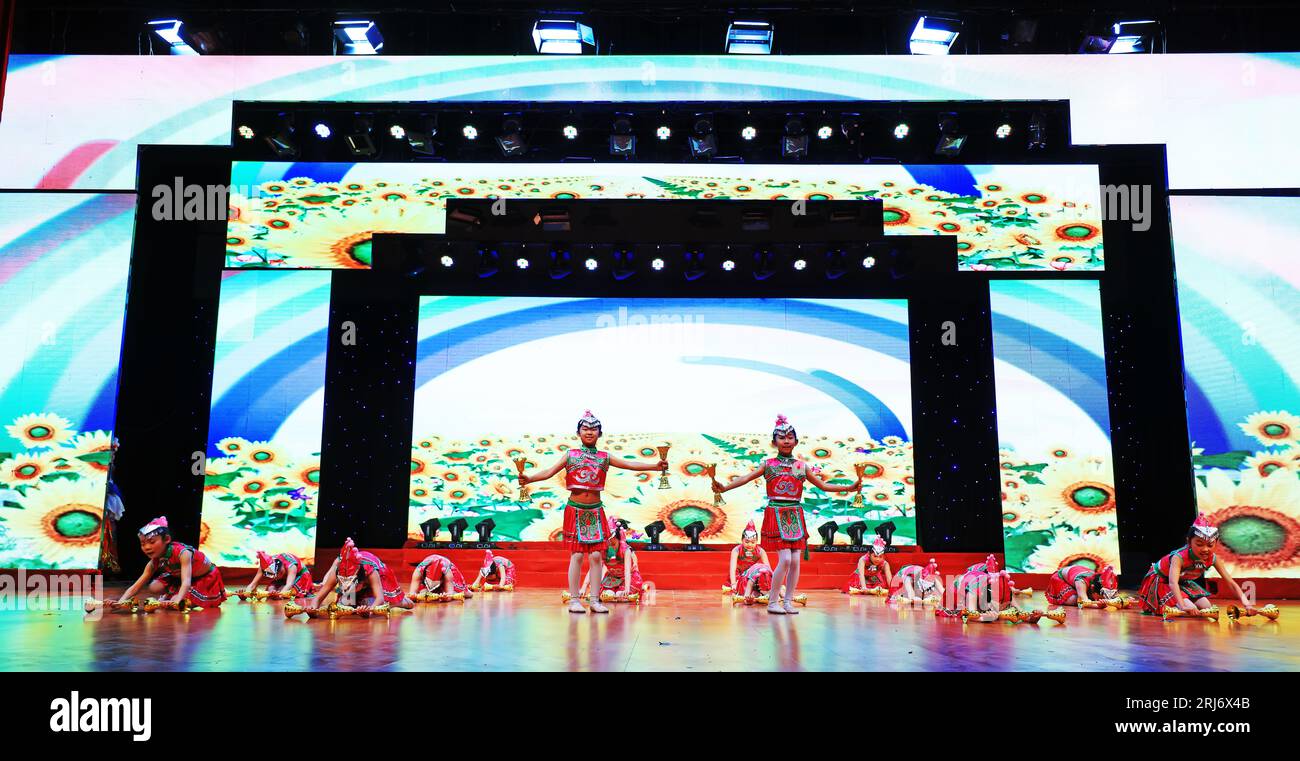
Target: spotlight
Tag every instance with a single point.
(704, 144)
(570, 131)
(950, 138)
(886, 531)
(728, 265)
(868, 262)
(933, 35)
(484, 530)
(591, 265)
(693, 265)
(827, 531)
(1003, 131)
(824, 132)
(562, 37)
(621, 141)
(447, 261)
(657, 264)
(624, 265)
(1037, 132)
(457, 529)
(470, 132)
(246, 132)
(763, 265)
(794, 142)
(358, 37)
(420, 141)
(749, 133)
(855, 532)
(663, 133)
(654, 530)
(169, 31)
(511, 140)
(359, 140)
(521, 263)
(693, 531)
(430, 530)
(281, 138)
(397, 131)
(489, 262)
(322, 130)
(561, 264)
(836, 265)
(799, 265)
(1122, 37)
(749, 38)
(900, 130)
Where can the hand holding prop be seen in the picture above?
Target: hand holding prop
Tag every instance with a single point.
(663, 475)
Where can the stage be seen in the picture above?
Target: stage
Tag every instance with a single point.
(530, 630)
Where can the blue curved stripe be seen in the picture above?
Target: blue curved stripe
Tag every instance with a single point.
(950, 178)
(330, 171)
(103, 410)
(1054, 357)
(875, 415)
(82, 220)
(259, 402)
(1205, 425)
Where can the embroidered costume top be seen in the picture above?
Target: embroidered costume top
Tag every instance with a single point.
(785, 477)
(1193, 567)
(745, 558)
(169, 564)
(585, 469)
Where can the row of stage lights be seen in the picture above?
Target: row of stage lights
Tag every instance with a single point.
(512, 139)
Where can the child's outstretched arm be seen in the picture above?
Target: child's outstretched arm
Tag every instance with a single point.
(619, 462)
(1218, 566)
(738, 481)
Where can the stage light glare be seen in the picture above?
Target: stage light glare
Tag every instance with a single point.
(663, 133)
(447, 261)
(800, 264)
(246, 132)
(169, 31)
(322, 130)
(657, 264)
(397, 131)
(900, 130)
(749, 133)
(562, 37)
(933, 35)
(470, 132)
(728, 265)
(570, 131)
(591, 265)
(869, 262)
(521, 263)
(358, 37)
(1003, 131)
(749, 38)
(825, 132)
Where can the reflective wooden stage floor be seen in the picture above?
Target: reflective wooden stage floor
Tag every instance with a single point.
(681, 630)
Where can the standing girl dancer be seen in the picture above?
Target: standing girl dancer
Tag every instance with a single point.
(784, 529)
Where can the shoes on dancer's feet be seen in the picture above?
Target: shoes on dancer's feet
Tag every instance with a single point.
(789, 608)
(576, 607)
(596, 607)
(775, 607)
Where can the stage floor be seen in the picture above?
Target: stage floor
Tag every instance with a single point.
(530, 630)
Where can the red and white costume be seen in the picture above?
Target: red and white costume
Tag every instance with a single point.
(1061, 589)
(206, 586)
(497, 570)
(760, 574)
(275, 570)
(353, 574)
(991, 584)
(873, 570)
(585, 525)
(924, 581)
(746, 557)
(617, 557)
(784, 526)
(432, 572)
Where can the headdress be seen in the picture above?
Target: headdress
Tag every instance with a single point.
(156, 526)
(589, 420)
(782, 427)
(349, 559)
(1204, 529)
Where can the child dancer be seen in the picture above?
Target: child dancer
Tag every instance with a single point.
(176, 572)
(286, 575)
(784, 528)
(361, 579)
(756, 581)
(438, 574)
(1074, 584)
(873, 570)
(914, 584)
(744, 555)
(1174, 579)
(622, 574)
(585, 532)
(497, 570)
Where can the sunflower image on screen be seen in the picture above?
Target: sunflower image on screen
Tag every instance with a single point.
(258, 497)
(302, 223)
(52, 490)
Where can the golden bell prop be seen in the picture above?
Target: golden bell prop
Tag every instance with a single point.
(663, 476)
(857, 591)
(521, 465)
(1026, 592)
(184, 606)
(1211, 613)
(712, 470)
(860, 468)
(1271, 612)
(113, 606)
(498, 588)
(565, 596)
(1057, 615)
(611, 596)
(726, 589)
(800, 600)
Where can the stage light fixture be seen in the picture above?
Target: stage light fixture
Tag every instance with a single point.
(794, 140)
(521, 263)
(357, 37)
(728, 265)
(1123, 37)
(693, 531)
(420, 141)
(836, 265)
(322, 130)
(484, 530)
(749, 133)
(764, 266)
(470, 132)
(827, 531)
(703, 143)
(591, 265)
(447, 261)
(624, 264)
(825, 131)
(886, 531)
(511, 140)
(360, 140)
(169, 31)
(900, 130)
(430, 529)
(570, 132)
(457, 529)
(489, 263)
(563, 37)
(1037, 131)
(1003, 131)
(657, 264)
(799, 265)
(654, 531)
(621, 140)
(246, 132)
(397, 131)
(663, 133)
(951, 139)
(749, 38)
(933, 35)
(561, 264)
(868, 262)
(693, 265)
(281, 140)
